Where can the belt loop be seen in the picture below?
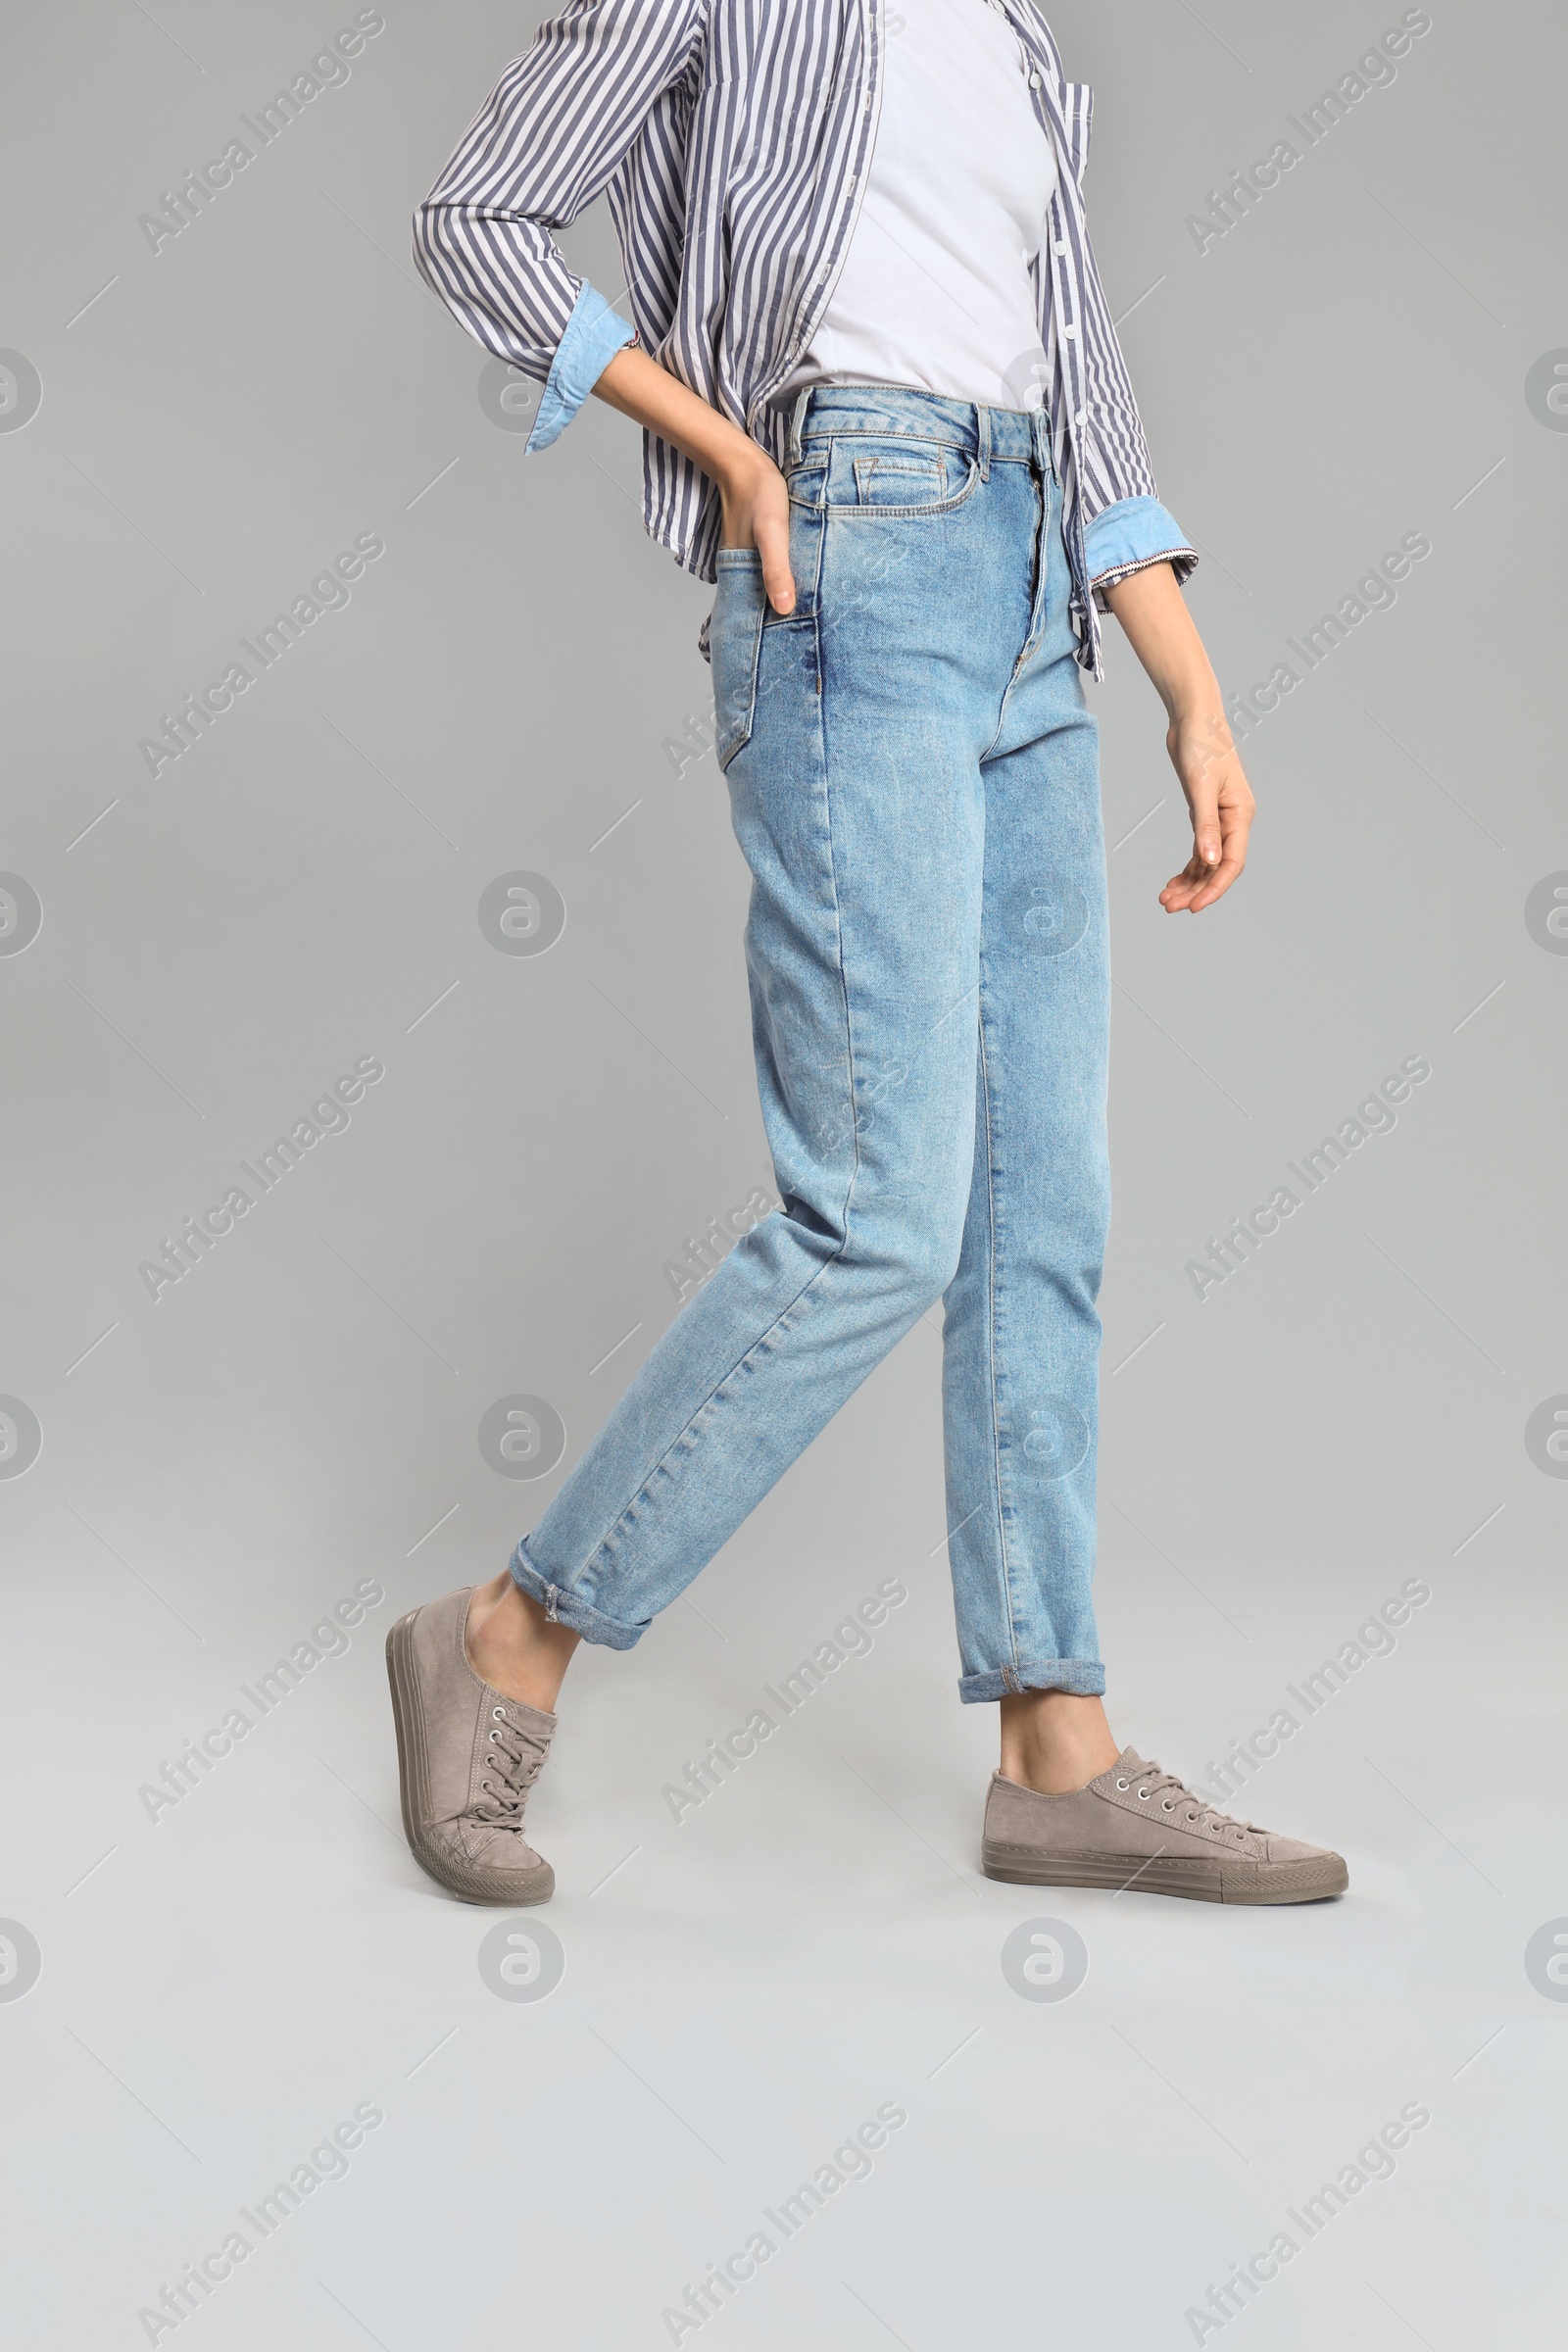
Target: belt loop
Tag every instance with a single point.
(1043, 449)
(796, 420)
(984, 416)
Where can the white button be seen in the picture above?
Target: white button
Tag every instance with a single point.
(1079, 417)
(1060, 246)
(1034, 81)
(1069, 332)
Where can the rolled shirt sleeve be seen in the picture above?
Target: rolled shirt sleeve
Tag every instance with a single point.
(1128, 537)
(594, 334)
(546, 143)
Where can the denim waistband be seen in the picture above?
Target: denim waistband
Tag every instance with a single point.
(1014, 436)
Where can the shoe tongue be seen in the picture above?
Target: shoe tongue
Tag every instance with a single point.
(1130, 1761)
(533, 1721)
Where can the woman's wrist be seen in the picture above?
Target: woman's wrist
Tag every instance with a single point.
(739, 465)
(1192, 700)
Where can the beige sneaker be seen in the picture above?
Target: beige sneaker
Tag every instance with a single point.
(1140, 1827)
(467, 1757)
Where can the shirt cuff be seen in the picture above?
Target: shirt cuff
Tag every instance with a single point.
(594, 334)
(1130, 536)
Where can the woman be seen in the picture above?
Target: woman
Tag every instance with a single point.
(884, 407)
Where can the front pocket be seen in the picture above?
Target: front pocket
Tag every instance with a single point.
(734, 645)
(881, 480)
(894, 474)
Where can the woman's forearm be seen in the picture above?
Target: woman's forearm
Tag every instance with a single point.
(756, 502)
(641, 389)
(1159, 627)
(1162, 633)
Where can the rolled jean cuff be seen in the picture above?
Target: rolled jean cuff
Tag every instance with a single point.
(1085, 1677)
(566, 1607)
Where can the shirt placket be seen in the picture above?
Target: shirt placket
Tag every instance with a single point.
(836, 210)
(1066, 322)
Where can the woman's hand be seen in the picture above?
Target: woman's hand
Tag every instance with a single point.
(1160, 629)
(757, 514)
(1221, 803)
(756, 504)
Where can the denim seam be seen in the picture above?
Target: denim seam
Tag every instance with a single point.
(998, 457)
(991, 1327)
(866, 432)
(760, 1343)
(1037, 612)
(1041, 598)
(604, 1630)
(764, 1337)
(990, 1683)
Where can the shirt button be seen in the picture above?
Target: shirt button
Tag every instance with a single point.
(1080, 415)
(1034, 81)
(1060, 245)
(1069, 332)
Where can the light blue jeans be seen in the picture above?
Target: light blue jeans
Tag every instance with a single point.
(914, 783)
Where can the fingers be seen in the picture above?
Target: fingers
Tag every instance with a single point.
(1203, 880)
(1182, 889)
(1204, 798)
(774, 546)
(1199, 884)
(1221, 807)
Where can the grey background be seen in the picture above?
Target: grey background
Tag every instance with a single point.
(219, 1988)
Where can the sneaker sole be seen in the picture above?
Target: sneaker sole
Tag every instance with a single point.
(1199, 1881)
(510, 1889)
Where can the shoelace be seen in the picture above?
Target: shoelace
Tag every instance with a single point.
(1167, 1787)
(516, 1762)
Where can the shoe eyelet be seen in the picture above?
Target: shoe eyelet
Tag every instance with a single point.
(498, 1714)
(1142, 1793)
(492, 1735)
(1124, 1783)
(1166, 1805)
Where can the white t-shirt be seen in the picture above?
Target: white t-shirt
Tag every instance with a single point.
(936, 289)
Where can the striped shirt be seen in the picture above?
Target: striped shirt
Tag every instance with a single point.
(733, 140)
